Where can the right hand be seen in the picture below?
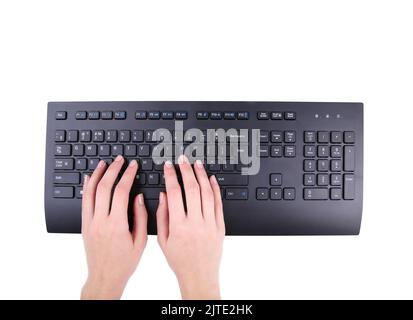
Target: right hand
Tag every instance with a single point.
(192, 241)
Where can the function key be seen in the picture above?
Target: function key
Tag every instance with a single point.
(263, 115)
(154, 115)
(93, 115)
(181, 115)
(81, 115)
(336, 136)
(276, 115)
(349, 137)
(309, 137)
(202, 115)
(243, 115)
(229, 115)
(120, 115)
(323, 137)
(61, 115)
(107, 115)
(216, 115)
(167, 115)
(140, 115)
(289, 115)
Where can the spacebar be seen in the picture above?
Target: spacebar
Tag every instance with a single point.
(150, 193)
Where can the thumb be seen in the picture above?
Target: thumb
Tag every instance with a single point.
(140, 222)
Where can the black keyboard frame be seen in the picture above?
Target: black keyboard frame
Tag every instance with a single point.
(242, 217)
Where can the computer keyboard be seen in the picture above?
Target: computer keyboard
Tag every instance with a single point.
(310, 160)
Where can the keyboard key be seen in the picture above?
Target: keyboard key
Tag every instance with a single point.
(62, 150)
(289, 151)
(81, 164)
(335, 179)
(202, 115)
(229, 115)
(130, 150)
(322, 151)
(214, 167)
(275, 179)
(63, 192)
(335, 151)
(289, 115)
(153, 178)
(335, 165)
(322, 165)
(309, 136)
(323, 137)
(289, 193)
(276, 115)
(181, 115)
(322, 179)
(336, 137)
(141, 178)
(93, 163)
(61, 115)
(117, 149)
(262, 193)
(91, 150)
(124, 136)
(349, 187)
(264, 136)
(78, 150)
(236, 194)
(81, 115)
(289, 136)
(154, 115)
(243, 115)
(276, 136)
(335, 194)
(275, 193)
(146, 164)
(94, 115)
(216, 115)
(60, 136)
(309, 179)
(167, 115)
(228, 167)
(85, 136)
(149, 136)
(120, 115)
(315, 193)
(63, 164)
(72, 136)
(66, 178)
(349, 158)
(309, 165)
(140, 115)
(144, 150)
(231, 179)
(263, 115)
(98, 135)
(264, 151)
(309, 151)
(137, 136)
(107, 115)
(349, 137)
(111, 136)
(276, 151)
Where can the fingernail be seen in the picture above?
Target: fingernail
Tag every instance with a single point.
(183, 159)
(140, 199)
(118, 158)
(161, 198)
(85, 179)
(168, 163)
(199, 164)
(101, 163)
(133, 163)
(214, 180)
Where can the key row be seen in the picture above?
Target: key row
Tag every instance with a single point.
(275, 136)
(275, 193)
(334, 165)
(323, 151)
(276, 115)
(322, 179)
(330, 136)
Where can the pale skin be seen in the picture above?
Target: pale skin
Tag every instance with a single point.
(191, 240)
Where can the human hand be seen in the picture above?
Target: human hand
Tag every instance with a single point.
(192, 241)
(112, 251)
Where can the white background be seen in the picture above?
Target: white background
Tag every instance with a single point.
(212, 50)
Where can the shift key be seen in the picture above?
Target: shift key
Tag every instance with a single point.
(66, 178)
(231, 179)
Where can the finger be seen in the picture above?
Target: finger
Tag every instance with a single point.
(140, 223)
(86, 216)
(174, 193)
(121, 195)
(192, 190)
(207, 195)
(219, 211)
(88, 196)
(105, 186)
(162, 220)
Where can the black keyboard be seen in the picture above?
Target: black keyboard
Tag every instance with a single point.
(311, 160)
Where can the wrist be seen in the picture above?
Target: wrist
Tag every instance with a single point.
(200, 288)
(97, 289)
